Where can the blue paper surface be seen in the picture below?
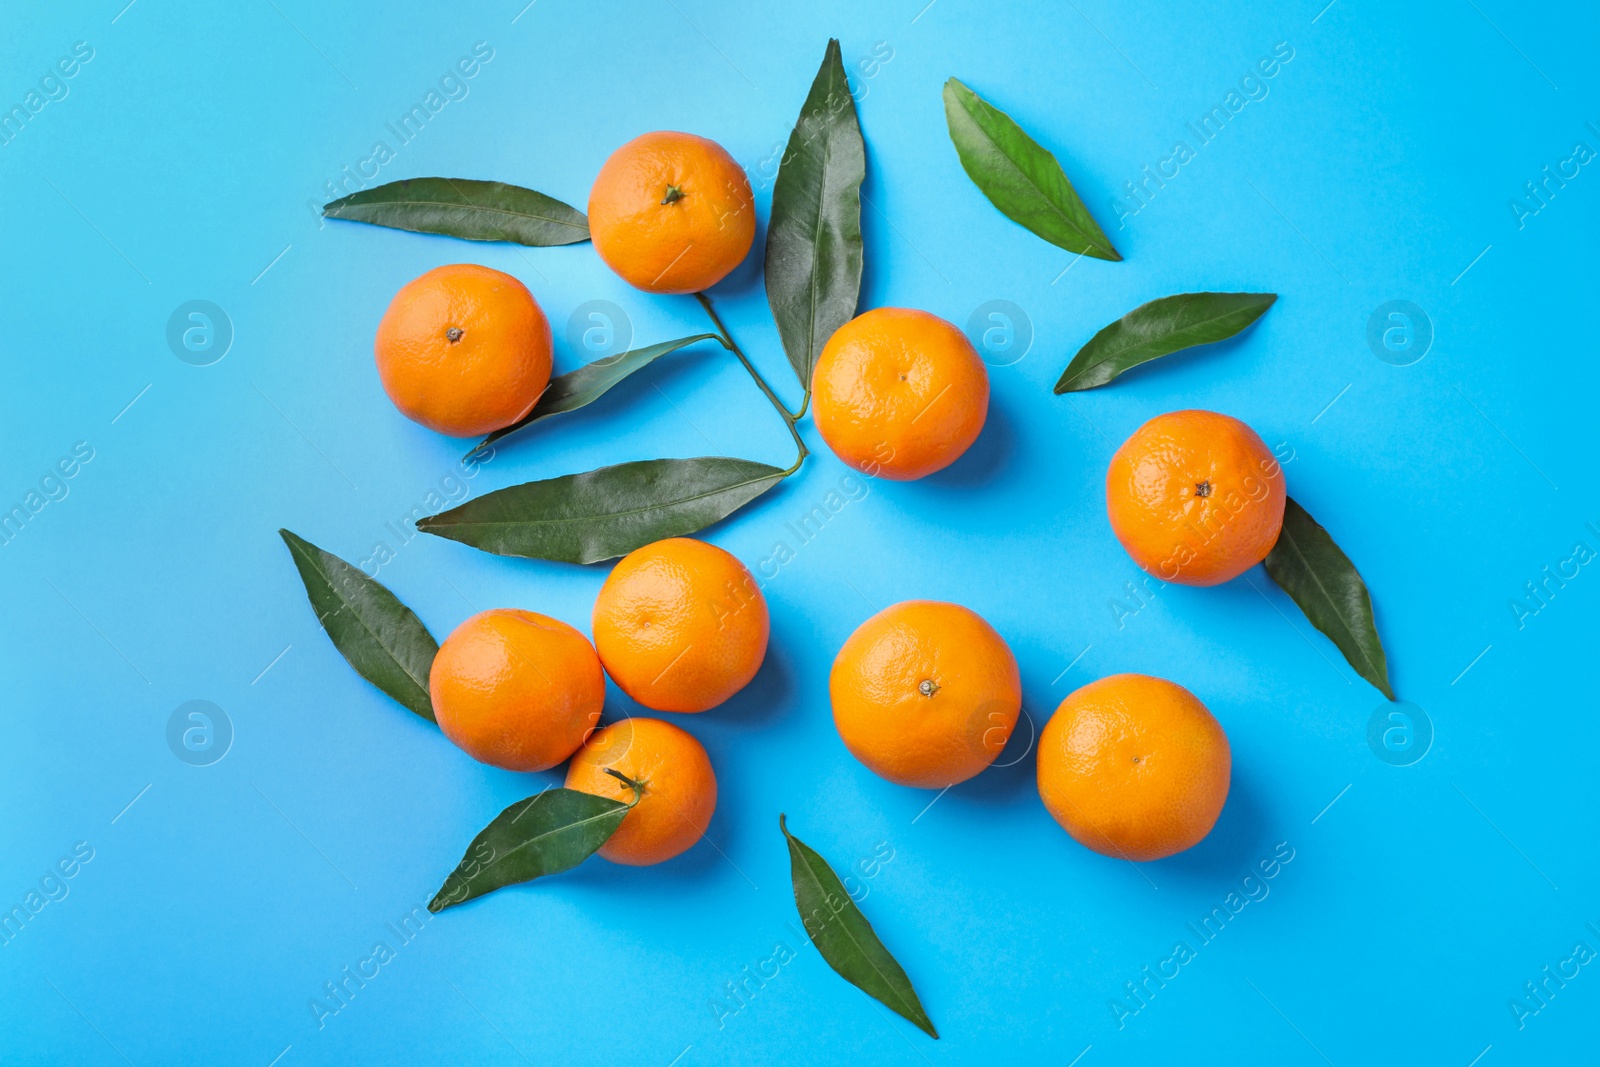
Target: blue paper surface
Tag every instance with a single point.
(187, 338)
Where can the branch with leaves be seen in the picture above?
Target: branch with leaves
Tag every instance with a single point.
(814, 258)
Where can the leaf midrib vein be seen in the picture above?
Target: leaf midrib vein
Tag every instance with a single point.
(603, 515)
(464, 206)
(1112, 353)
(346, 603)
(1079, 230)
(1332, 604)
(529, 842)
(817, 882)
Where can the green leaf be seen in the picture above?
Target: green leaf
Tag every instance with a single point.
(601, 514)
(380, 637)
(1161, 328)
(462, 207)
(544, 834)
(845, 938)
(1021, 179)
(577, 388)
(1322, 580)
(814, 248)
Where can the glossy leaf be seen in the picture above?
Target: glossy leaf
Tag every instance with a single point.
(463, 207)
(814, 248)
(577, 388)
(1018, 175)
(545, 834)
(844, 937)
(1161, 328)
(1320, 578)
(380, 637)
(604, 513)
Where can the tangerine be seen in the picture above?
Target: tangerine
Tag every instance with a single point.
(677, 787)
(463, 350)
(516, 689)
(1195, 497)
(899, 393)
(1134, 767)
(925, 693)
(680, 625)
(671, 213)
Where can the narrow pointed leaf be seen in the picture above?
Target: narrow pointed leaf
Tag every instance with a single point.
(1322, 580)
(814, 248)
(1161, 328)
(380, 637)
(844, 937)
(463, 207)
(577, 388)
(545, 834)
(604, 513)
(1018, 175)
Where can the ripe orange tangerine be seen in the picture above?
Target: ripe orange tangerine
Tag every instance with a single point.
(899, 393)
(681, 625)
(672, 213)
(1134, 767)
(464, 350)
(516, 689)
(678, 789)
(925, 693)
(1195, 497)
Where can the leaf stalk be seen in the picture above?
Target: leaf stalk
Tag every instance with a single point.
(637, 787)
(789, 418)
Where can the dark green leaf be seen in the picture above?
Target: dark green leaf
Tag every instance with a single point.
(1322, 580)
(382, 639)
(1161, 328)
(545, 834)
(601, 514)
(576, 388)
(462, 207)
(1022, 179)
(845, 938)
(814, 239)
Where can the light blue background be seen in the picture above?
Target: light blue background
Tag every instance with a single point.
(183, 164)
